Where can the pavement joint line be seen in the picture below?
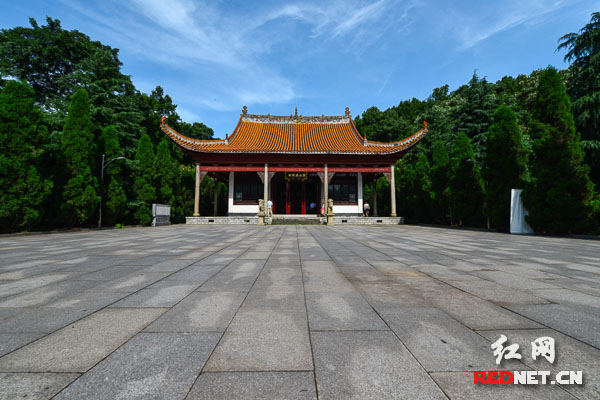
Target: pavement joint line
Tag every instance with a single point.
(372, 246)
(141, 330)
(507, 309)
(400, 340)
(108, 306)
(264, 233)
(312, 351)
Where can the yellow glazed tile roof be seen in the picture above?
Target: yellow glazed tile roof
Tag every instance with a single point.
(294, 135)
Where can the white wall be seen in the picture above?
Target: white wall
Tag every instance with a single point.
(360, 193)
(233, 209)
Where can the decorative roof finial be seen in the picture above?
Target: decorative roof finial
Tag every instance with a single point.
(347, 112)
(425, 125)
(296, 112)
(163, 119)
(244, 111)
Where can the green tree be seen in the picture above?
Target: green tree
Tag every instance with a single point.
(145, 193)
(439, 183)
(505, 165)
(80, 197)
(43, 55)
(21, 133)
(422, 189)
(116, 199)
(165, 174)
(474, 112)
(465, 188)
(583, 51)
(558, 196)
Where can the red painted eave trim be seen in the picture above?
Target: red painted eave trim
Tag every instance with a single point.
(217, 168)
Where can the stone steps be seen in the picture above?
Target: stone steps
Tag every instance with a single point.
(296, 221)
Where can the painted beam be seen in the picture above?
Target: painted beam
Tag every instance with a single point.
(229, 168)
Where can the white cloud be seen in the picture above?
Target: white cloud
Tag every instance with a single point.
(480, 24)
(226, 53)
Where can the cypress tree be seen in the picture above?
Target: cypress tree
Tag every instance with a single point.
(422, 195)
(558, 196)
(504, 165)
(465, 188)
(165, 173)
(23, 189)
(439, 182)
(80, 197)
(145, 193)
(116, 200)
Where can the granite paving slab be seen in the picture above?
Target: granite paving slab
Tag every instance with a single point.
(200, 312)
(12, 341)
(570, 355)
(110, 301)
(438, 341)
(167, 294)
(33, 386)
(368, 365)
(459, 385)
(254, 386)
(262, 339)
(277, 297)
(581, 322)
(79, 346)
(334, 311)
(150, 365)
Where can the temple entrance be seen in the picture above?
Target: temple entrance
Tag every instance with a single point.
(293, 193)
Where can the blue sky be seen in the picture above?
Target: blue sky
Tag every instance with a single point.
(213, 58)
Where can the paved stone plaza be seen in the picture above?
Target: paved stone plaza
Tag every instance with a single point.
(217, 312)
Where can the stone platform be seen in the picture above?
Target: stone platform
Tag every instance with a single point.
(294, 220)
(251, 220)
(341, 220)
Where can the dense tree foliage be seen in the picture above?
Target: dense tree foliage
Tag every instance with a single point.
(465, 187)
(439, 183)
(22, 132)
(505, 164)
(144, 190)
(116, 199)
(583, 51)
(560, 190)
(61, 158)
(80, 197)
(165, 173)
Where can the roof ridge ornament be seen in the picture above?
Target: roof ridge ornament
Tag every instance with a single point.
(347, 112)
(244, 111)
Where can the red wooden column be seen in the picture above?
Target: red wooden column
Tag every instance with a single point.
(303, 202)
(287, 198)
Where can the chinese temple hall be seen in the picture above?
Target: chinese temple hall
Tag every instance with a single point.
(298, 162)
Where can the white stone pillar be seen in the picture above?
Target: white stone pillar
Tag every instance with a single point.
(393, 190)
(197, 192)
(266, 184)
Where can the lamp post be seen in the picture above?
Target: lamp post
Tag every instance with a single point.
(104, 165)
